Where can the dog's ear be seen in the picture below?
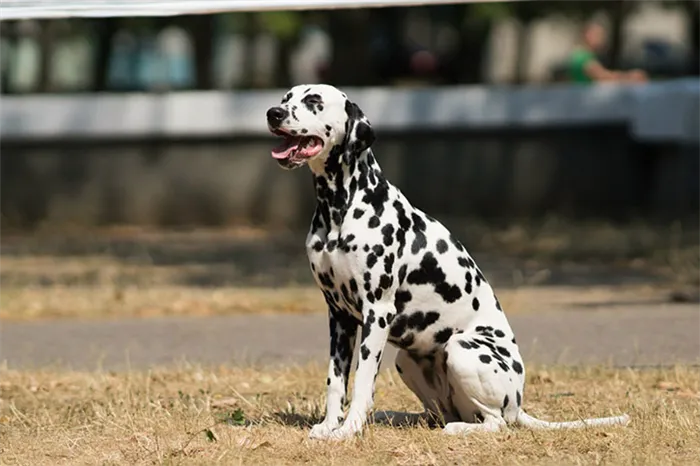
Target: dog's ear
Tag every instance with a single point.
(359, 134)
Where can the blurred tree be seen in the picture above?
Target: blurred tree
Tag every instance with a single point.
(694, 12)
(386, 46)
(474, 26)
(250, 26)
(46, 42)
(286, 26)
(351, 63)
(201, 30)
(104, 30)
(8, 33)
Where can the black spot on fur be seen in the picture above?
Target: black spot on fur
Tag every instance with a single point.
(388, 234)
(402, 273)
(419, 243)
(401, 299)
(475, 304)
(485, 358)
(389, 263)
(517, 367)
(357, 213)
(431, 273)
(364, 352)
(398, 327)
(378, 249)
(443, 335)
(518, 398)
(287, 97)
(385, 281)
(503, 351)
(420, 320)
(373, 222)
(499, 333)
(467, 344)
(371, 260)
(310, 101)
(367, 326)
(441, 246)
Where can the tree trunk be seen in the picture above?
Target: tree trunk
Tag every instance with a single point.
(106, 29)
(387, 61)
(46, 51)
(251, 31)
(201, 29)
(471, 51)
(10, 33)
(694, 12)
(351, 64)
(618, 14)
(283, 75)
(522, 49)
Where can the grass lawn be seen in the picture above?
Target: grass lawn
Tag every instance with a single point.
(144, 273)
(246, 415)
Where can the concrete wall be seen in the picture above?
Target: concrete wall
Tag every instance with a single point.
(203, 158)
(582, 172)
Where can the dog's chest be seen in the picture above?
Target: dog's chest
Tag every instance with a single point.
(335, 262)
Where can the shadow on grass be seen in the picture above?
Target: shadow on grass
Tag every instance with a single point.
(510, 256)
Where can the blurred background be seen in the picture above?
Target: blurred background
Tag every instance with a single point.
(136, 177)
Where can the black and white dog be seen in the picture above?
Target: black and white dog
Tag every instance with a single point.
(399, 275)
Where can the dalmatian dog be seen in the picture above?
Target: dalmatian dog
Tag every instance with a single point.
(396, 275)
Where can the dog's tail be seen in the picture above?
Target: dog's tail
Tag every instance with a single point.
(526, 420)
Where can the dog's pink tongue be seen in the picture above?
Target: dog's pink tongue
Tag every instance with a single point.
(312, 148)
(285, 149)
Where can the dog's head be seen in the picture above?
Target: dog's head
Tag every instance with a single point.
(317, 121)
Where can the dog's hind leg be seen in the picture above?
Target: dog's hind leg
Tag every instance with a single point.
(484, 388)
(427, 380)
(490, 424)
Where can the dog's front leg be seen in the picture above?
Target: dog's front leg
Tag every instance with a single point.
(342, 331)
(375, 331)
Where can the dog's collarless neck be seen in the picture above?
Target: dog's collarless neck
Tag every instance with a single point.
(339, 182)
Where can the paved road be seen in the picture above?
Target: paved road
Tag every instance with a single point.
(621, 335)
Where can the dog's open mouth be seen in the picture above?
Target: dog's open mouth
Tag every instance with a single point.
(296, 148)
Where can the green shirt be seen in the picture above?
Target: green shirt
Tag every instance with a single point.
(577, 65)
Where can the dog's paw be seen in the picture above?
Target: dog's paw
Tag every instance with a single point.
(322, 431)
(325, 431)
(344, 432)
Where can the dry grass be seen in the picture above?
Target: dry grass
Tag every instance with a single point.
(135, 272)
(32, 303)
(193, 415)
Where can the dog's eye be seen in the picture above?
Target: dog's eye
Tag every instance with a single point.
(312, 99)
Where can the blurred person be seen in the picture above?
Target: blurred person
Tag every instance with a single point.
(584, 66)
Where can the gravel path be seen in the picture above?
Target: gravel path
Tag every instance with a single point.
(622, 335)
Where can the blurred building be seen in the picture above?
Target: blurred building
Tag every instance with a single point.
(436, 45)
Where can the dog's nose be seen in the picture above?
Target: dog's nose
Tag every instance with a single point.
(276, 115)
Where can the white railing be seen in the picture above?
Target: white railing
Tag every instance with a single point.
(658, 111)
(35, 9)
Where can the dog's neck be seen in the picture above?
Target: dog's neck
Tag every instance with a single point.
(337, 181)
